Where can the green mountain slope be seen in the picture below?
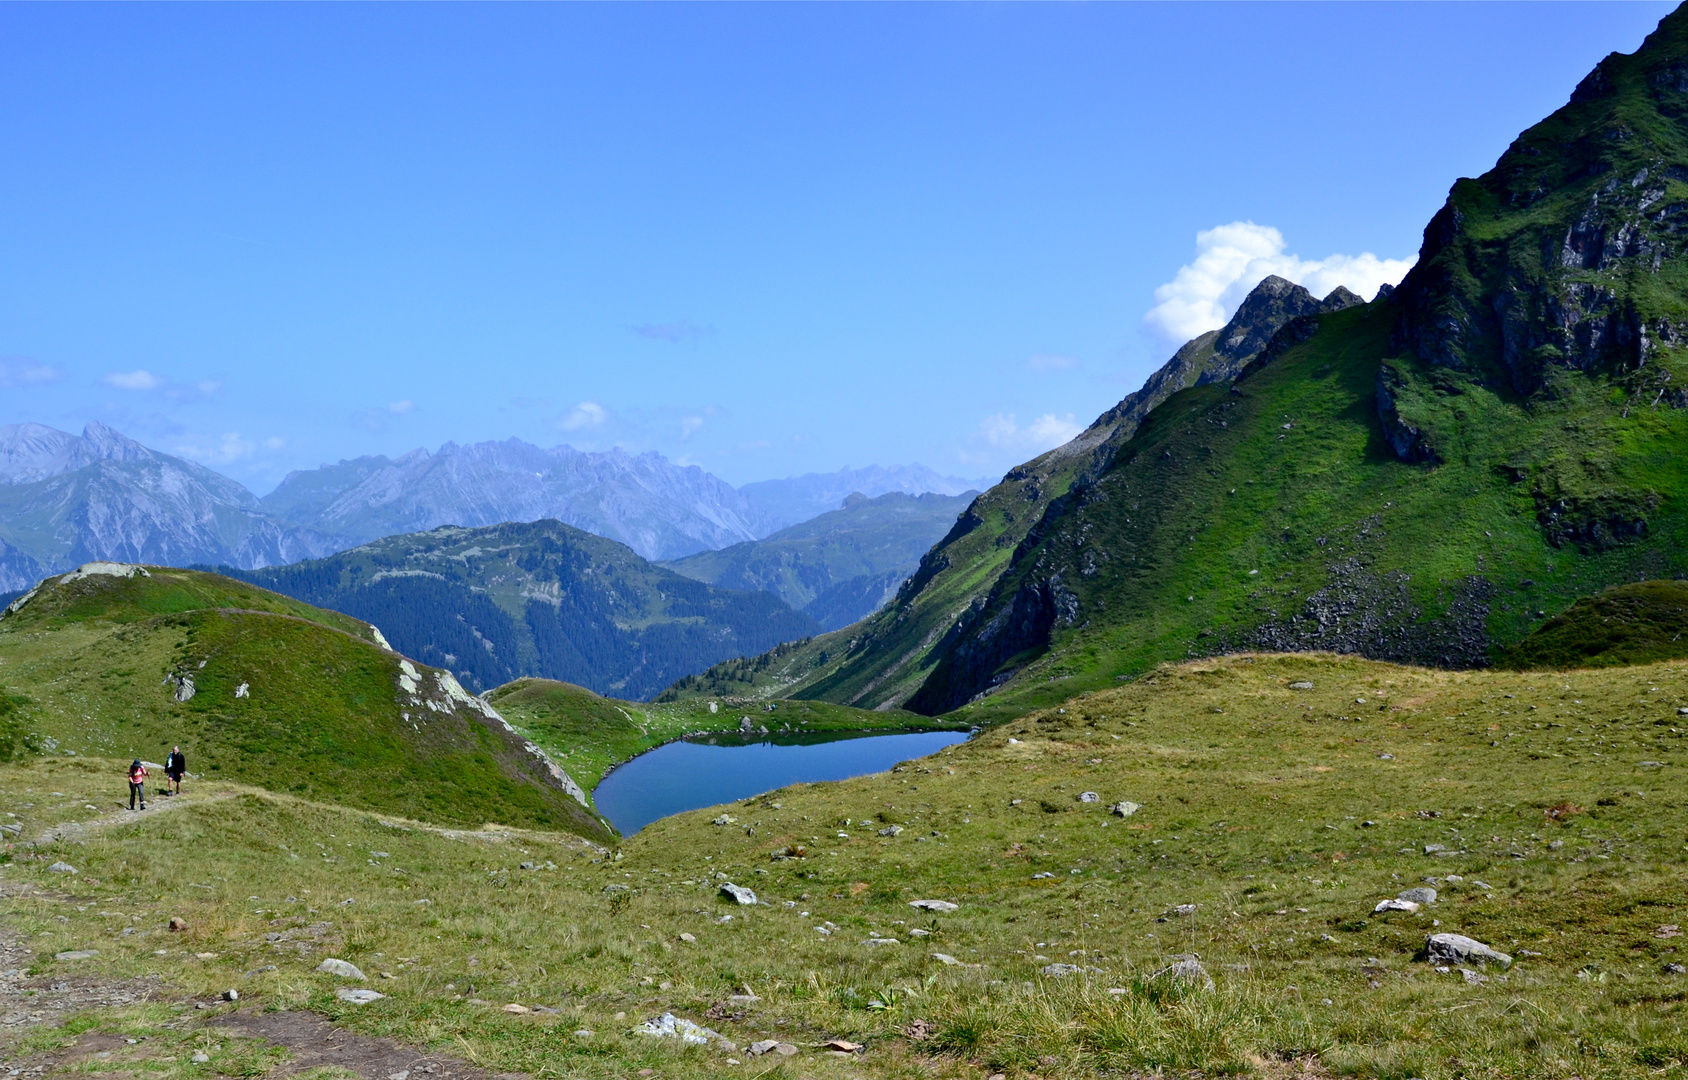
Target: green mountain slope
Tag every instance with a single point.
(882, 661)
(840, 566)
(127, 661)
(541, 599)
(1412, 479)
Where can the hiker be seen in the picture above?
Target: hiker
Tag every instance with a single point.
(137, 783)
(174, 766)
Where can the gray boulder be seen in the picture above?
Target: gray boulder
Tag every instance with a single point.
(1089, 796)
(934, 905)
(1408, 906)
(738, 894)
(1459, 949)
(62, 868)
(1124, 808)
(342, 968)
(1420, 895)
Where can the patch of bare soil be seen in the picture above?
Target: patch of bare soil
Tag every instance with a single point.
(314, 1042)
(26, 1002)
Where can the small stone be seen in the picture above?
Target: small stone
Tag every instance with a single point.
(516, 1009)
(891, 830)
(724, 819)
(1431, 849)
(1060, 971)
(738, 894)
(358, 996)
(1186, 968)
(1675, 969)
(77, 954)
(62, 868)
(583, 1033)
(1124, 808)
(1183, 910)
(344, 970)
(1459, 949)
(178, 924)
(882, 941)
(1473, 978)
(231, 995)
(918, 932)
(689, 939)
(670, 1026)
(1089, 797)
(201, 1057)
(763, 1046)
(842, 1045)
(934, 905)
(1422, 895)
(1407, 906)
(1301, 685)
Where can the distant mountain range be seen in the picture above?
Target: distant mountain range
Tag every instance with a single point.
(67, 499)
(799, 498)
(538, 599)
(659, 509)
(842, 565)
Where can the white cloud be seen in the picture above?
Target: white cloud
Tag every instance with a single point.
(399, 408)
(1051, 362)
(689, 426)
(1045, 432)
(274, 442)
(134, 380)
(1232, 259)
(227, 448)
(588, 414)
(27, 373)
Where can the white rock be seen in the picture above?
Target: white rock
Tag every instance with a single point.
(1395, 905)
(1089, 796)
(882, 941)
(1419, 895)
(669, 1026)
(105, 569)
(1061, 971)
(1124, 809)
(1459, 949)
(77, 954)
(934, 905)
(738, 893)
(62, 868)
(358, 996)
(243, 690)
(342, 968)
(1186, 969)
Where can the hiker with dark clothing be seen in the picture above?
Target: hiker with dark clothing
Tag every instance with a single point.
(137, 783)
(174, 766)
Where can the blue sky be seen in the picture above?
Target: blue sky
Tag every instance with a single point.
(766, 239)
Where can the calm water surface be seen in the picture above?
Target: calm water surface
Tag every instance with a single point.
(686, 775)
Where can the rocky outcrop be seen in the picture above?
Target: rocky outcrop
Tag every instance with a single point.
(1404, 436)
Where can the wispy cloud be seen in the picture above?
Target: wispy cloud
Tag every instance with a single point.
(399, 408)
(689, 426)
(1232, 259)
(1051, 362)
(16, 371)
(588, 414)
(139, 379)
(224, 449)
(675, 332)
(1003, 430)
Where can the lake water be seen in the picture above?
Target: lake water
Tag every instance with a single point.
(685, 775)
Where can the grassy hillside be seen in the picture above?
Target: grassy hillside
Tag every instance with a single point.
(1625, 624)
(539, 599)
(840, 566)
(884, 660)
(590, 735)
(262, 689)
(1546, 809)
